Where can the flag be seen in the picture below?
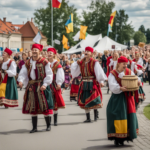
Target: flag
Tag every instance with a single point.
(77, 36)
(56, 3)
(83, 32)
(111, 21)
(21, 49)
(65, 42)
(69, 24)
(37, 38)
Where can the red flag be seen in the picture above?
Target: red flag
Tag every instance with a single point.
(57, 3)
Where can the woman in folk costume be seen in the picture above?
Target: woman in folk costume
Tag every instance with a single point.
(8, 86)
(122, 121)
(93, 77)
(58, 79)
(37, 75)
(138, 71)
(112, 65)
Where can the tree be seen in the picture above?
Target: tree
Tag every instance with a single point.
(139, 37)
(148, 35)
(142, 29)
(42, 18)
(98, 17)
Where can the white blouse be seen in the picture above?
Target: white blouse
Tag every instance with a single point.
(60, 75)
(99, 73)
(114, 85)
(23, 75)
(12, 70)
(113, 63)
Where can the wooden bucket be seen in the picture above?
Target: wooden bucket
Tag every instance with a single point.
(130, 82)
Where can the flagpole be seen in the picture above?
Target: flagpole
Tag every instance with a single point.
(51, 23)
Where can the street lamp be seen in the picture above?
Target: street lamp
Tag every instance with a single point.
(117, 24)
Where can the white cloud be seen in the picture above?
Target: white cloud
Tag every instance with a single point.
(18, 11)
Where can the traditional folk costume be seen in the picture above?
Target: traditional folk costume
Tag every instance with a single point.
(138, 71)
(8, 86)
(67, 76)
(58, 79)
(122, 121)
(35, 74)
(75, 88)
(89, 95)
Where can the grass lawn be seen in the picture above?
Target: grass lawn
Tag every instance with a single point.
(147, 111)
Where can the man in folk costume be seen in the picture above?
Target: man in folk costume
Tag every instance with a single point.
(8, 86)
(58, 79)
(93, 77)
(37, 75)
(122, 121)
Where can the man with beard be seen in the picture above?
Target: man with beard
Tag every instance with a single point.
(90, 95)
(37, 75)
(122, 121)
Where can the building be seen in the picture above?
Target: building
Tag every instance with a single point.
(29, 31)
(10, 37)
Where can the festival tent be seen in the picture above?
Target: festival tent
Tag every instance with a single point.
(91, 40)
(107, 44)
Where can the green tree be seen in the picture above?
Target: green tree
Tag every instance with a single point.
(142, 29)
(139, 37)
(97, 17)
(42, 18)
(148, 35)
(124, 30)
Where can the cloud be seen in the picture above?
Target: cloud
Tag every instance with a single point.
(18, 11)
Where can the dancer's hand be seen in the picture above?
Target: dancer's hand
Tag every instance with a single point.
(43, 88)
(123, 88)
(102, 84)
(58, 87)
(139, 83)
(20, 84)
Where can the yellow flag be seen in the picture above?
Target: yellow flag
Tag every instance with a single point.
(65, 42)
(67, 30)
(83, 32)
(112, 16)
(21, 49)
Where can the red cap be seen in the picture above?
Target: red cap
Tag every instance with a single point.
(136, 52)
(89, 49)
(122, 59)
(38, 46)
(52, 50)
(8, 51)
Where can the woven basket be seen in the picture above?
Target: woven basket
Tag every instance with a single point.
(130, 82)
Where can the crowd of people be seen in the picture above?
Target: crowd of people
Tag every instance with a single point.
(46, 74)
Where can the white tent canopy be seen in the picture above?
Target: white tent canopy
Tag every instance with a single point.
(89, 41)
(106, 44)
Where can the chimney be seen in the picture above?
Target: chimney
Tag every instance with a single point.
(4, 19)
(31, 19)
(23, 22)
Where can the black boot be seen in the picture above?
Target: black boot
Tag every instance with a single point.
(88, 118)
(34, 123)
(55, 119)
(48, 123)
(116, 142)
(95, 114)
(108, 90)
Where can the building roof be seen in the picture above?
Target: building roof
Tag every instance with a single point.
(18, 25)
(8, 28)
(29, 30)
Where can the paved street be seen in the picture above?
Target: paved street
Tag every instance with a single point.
(71, 133)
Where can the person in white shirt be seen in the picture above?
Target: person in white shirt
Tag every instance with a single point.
(58, 79)
(37, 75)
(8, 86)
(93, 77)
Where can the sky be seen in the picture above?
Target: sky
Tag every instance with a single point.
(19, 11)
